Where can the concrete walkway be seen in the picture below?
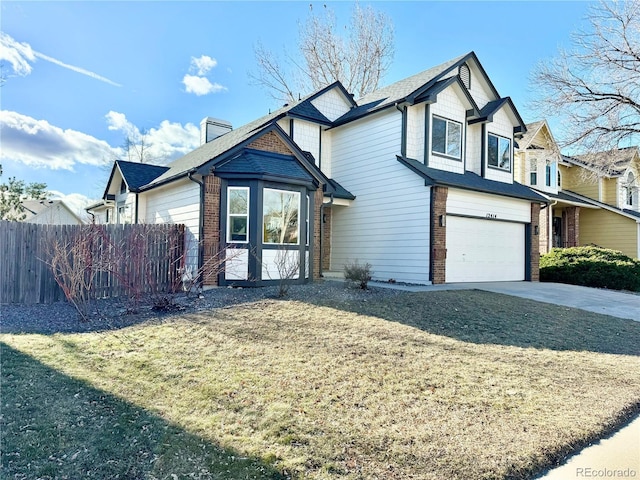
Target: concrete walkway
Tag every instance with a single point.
(607, 302)
(618, 455)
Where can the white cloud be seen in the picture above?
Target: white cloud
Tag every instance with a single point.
(202, 65)
(21, 55)
(39, 144)
(17, 54)
(164, 143)
(201, 85)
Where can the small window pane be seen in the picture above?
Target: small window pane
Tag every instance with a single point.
(280, 216)
(238, 229)
(454, 139)
(439, 137)
(238, 201)
(505, 154)
(492, 150)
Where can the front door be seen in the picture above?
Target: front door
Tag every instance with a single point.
(557, 232)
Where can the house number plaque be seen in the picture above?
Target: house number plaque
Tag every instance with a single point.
(492, 216)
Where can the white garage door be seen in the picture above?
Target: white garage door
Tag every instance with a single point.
(481, 250)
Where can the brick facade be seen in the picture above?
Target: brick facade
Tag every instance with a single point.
(572, 226)
(326, 240)
(270, 142)
(438, 234)
(211, 232)
(535, 242)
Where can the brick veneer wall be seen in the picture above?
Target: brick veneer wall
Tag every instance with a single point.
(572, 226)
(270, 142)
(438, 234)
(326, 241)
(535, 242)
(211, 232)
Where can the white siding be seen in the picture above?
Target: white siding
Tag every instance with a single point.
(307, 136)
(502, 127)
(178, 202)
(480, 91)
(326, 141)
(449, 107)
(387, 225)
(331, 104)
(415, 132)
(275, 263)
(473, 160)
(465, 202)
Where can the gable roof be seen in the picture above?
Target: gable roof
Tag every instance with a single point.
(471, 181)
(137, 174)
(617, 160)
(33, 208)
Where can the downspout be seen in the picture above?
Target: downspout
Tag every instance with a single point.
(403, 134)
(136, 215)
(200, 226)
(322, 207)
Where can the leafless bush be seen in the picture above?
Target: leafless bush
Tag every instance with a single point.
(360, 274)
(288, 267)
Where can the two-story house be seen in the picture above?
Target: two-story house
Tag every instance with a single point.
(586, 206)
(416, 178)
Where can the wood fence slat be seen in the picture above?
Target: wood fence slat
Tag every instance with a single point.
(142, 256)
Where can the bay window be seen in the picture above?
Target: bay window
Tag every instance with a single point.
(238, 214)
(280, 217)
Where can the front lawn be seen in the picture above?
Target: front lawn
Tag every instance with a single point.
(453, 385)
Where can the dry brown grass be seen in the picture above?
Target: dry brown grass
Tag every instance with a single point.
(322, 392)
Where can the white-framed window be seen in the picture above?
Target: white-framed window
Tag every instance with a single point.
(498, 152)
(446, 137)
(237, 214)
(533, 171)
(124, 214)
(280, 217)
(630, 190)
(547, 174)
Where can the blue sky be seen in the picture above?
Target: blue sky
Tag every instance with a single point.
(79, 74)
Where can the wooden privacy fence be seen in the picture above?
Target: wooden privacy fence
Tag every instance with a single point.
(111, 260)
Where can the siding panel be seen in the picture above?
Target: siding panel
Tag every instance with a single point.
(388, 223)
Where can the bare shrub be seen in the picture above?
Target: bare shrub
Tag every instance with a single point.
(357, 273)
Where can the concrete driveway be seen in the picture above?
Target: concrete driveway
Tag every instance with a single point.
(607, 302)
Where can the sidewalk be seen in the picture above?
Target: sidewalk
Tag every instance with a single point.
(617, 456)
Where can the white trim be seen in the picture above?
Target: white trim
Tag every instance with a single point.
(228, 233)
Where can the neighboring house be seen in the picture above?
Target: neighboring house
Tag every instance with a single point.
(416, 179)
(49, 212)
(616, 222)
(585, 207)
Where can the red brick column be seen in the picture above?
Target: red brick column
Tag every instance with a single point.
(211, 232)
(572, 226)
(438, 234)
(317, 221)
(535, 242)
(326, 239)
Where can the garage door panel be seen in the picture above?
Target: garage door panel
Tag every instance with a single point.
(480, 250)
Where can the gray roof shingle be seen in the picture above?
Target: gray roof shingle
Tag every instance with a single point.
(259, 162)
(138, 174)
(472, 181)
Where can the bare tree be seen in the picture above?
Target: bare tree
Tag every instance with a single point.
(136, 146)
(594, 89)
(358, 58)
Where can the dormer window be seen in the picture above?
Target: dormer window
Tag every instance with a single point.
(547, 174)
(499, 152)
(123, 187)
(465, 75)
